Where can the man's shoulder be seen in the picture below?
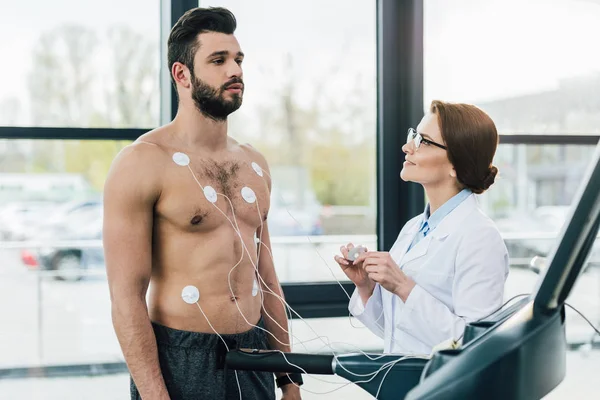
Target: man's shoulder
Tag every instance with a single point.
(141, 160)
(148, 148)
(137, 156)
(253, 151)
(255, 155)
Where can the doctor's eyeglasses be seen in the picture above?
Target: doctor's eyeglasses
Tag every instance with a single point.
(417, 139)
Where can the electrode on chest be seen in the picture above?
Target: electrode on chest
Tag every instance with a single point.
(181, 159)
(210, 193)
(248, 194)
(257, 169)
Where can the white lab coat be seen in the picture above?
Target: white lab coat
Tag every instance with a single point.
(459, 269)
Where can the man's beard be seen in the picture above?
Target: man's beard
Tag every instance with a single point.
(210, 101)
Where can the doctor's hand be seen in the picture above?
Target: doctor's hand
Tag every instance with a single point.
(381, 268)
(355, 272)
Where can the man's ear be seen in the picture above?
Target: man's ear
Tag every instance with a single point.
(181, 75)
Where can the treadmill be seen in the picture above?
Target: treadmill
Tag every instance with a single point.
(518, 352)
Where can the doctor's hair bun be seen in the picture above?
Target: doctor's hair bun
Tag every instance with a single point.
(490, 178)
(483, 184)
(471, 139)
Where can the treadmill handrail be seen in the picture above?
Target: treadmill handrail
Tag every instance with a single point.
(277, 361)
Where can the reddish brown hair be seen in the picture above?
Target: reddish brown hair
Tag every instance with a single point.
(471, 138)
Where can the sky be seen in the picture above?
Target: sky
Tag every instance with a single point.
(475, 50)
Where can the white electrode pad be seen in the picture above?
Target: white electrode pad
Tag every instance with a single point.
(257, 169)
(190, 294)
(248, 194)
(354, 252)
(254, 288)
(181, 159)
(210, 193)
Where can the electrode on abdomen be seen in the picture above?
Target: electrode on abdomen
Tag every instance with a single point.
(190, 294)
(254, 288)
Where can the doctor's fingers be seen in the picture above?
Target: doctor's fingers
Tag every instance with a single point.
(374, 268)
(374, 261)
(362, 257)
(341, 260)
(345, 249)
(382, 255)
(375, 277)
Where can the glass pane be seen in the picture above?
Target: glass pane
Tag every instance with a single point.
(320, 146)
(528, 63)
(310, 108)
(530, 203)
(91, 66)
(51, 190)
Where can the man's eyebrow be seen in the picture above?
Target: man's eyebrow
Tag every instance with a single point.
(224, 53)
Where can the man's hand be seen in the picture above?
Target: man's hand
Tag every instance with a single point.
(290, 392)
(382, 269)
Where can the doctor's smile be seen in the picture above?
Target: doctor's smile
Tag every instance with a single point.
(449, 264)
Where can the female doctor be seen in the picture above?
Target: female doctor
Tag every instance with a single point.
(449, 264)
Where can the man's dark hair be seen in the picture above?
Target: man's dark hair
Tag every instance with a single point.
(183, 44)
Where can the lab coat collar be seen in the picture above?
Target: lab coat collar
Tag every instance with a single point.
(449, 224)
(452, 221)
(418, 250)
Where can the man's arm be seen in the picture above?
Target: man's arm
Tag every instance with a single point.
(130, 193)
(273, 305)
(274, 310)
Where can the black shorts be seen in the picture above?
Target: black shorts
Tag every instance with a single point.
(192, 365)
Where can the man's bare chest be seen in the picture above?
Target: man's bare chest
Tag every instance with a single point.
(203, 193)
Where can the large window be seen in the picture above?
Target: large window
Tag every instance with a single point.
(528, 64)
(69, 63)
(310, 107)
(533, 78)
(51, 191)
(530, 204)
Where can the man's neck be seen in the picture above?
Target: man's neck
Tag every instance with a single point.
(195, 130)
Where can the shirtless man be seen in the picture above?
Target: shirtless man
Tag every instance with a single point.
(168, 225)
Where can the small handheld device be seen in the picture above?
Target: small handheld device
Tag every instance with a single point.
(355, 251)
